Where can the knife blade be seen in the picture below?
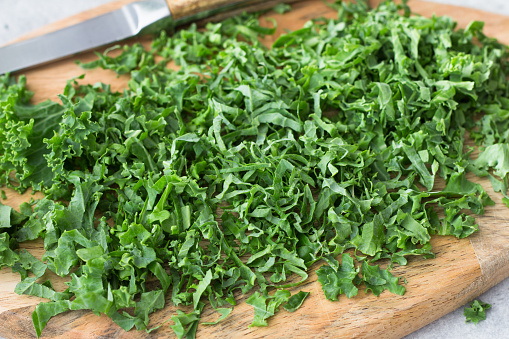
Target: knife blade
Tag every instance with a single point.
(135, 18)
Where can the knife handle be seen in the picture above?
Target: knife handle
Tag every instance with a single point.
(185, 11)
(188, 8)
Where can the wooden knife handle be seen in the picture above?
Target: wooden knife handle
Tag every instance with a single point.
(200, 9)
(187, 8)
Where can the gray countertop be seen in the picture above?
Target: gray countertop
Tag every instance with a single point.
(22, 16)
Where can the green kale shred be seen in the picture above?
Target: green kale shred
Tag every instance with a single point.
(476, 312)
(246, 165)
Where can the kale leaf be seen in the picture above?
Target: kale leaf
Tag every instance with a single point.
(476, 312)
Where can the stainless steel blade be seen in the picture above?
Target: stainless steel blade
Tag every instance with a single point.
(130, 20)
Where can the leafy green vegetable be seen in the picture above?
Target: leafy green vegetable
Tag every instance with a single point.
(340, 280)
(24, 127)
(8, 257)
(496, 157)
(186, 324)
(282, 8)
(295, 301)
(262, 310)
(378, 280)
(476, 312)
(29, 263)
(44, 311)
(225, 312)
(345, 279)
(248, 164)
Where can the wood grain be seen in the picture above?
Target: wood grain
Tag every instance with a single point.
(461, 270)
(188, 8)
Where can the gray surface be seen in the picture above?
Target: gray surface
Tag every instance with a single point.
(18, 17)
(495, 6)
(21, 16)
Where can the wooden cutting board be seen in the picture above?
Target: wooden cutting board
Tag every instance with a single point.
(462, 269)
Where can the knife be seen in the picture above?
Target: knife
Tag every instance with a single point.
(136, 18)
